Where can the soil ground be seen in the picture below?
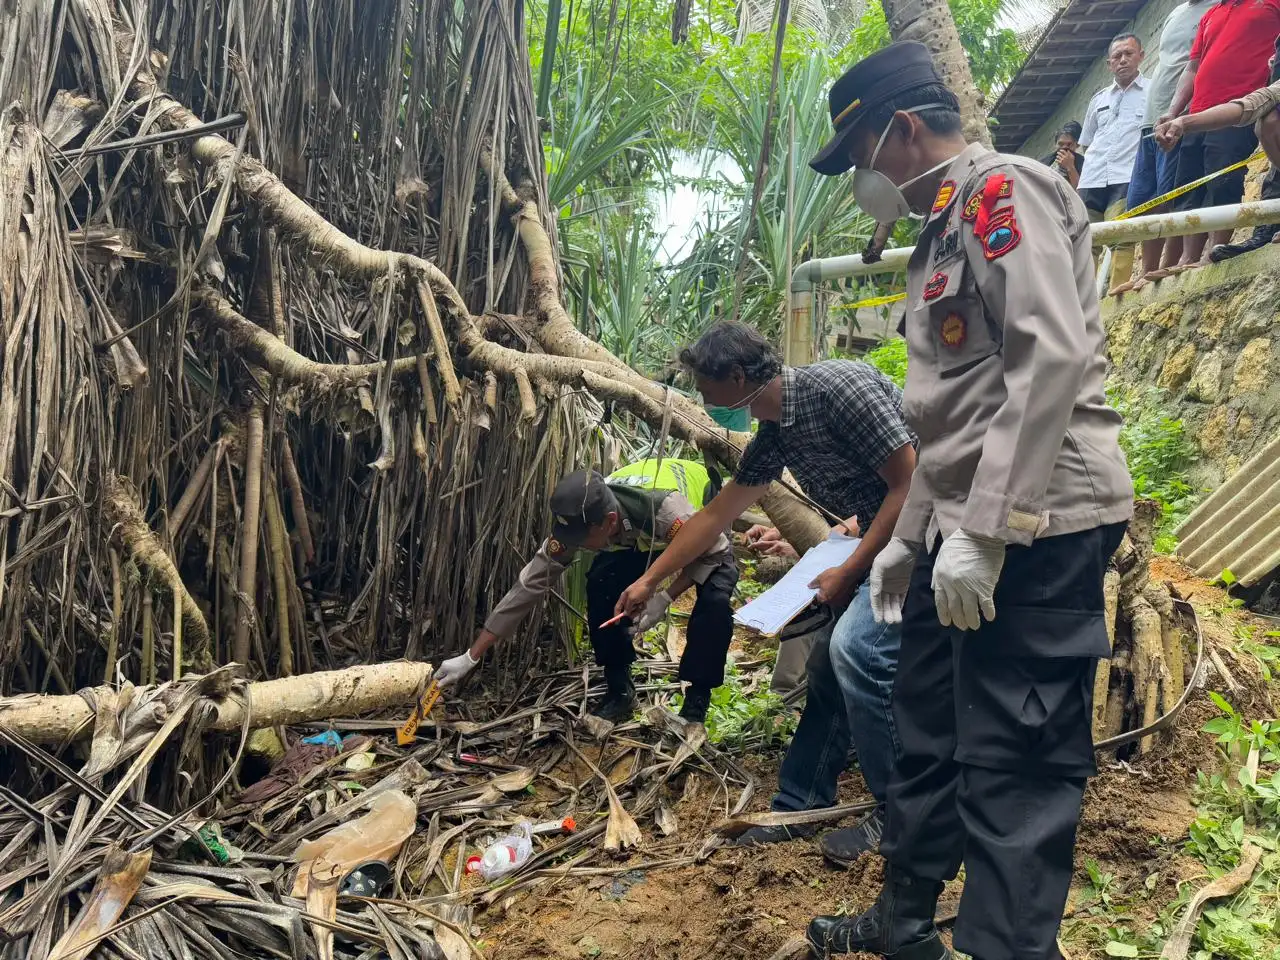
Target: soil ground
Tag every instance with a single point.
(750, 902)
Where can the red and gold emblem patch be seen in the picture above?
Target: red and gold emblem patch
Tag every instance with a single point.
(945, 194)
(936, 286)
(954, 330)
(555, 547)
(675, 528)
(970, 211)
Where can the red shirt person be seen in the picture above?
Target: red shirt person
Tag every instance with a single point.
(1229, 59)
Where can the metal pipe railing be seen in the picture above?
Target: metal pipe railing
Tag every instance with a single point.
(1110, 232)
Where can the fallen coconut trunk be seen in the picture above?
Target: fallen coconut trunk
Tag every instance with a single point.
(311, 696)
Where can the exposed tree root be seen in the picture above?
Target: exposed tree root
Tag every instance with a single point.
(1146, 673)
(133, 536)
(262, 348)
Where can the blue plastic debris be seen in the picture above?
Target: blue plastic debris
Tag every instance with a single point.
(329, 738)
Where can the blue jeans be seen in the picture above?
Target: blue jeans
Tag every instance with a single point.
(1154, 171)
(850, 675)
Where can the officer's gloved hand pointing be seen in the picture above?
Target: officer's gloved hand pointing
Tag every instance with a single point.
(654, 611)
(964, 579)
(454, 670)
(890, 577)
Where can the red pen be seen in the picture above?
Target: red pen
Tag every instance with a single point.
(610, 623)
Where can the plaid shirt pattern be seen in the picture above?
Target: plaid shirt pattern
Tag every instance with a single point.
(841, 421)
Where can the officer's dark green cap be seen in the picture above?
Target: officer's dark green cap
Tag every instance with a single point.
(579, 502)
(871, 81)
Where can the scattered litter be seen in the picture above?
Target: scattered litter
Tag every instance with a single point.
(505, 854)
(330, 738)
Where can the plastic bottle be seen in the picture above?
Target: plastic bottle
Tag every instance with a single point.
(505, 854)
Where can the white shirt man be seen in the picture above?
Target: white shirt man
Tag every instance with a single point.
(1112, 131)
(1111, 134)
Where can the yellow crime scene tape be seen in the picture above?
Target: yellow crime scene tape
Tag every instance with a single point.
(1177, 192)
(873, 302)
(408, 731)
(1137, 211)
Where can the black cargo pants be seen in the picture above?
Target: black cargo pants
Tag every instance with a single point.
(710, 624)
(997, 744)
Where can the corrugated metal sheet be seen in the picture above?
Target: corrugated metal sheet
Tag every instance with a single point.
(1238, 527)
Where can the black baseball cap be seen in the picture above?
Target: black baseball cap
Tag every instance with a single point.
(882, 76)
(580, 501)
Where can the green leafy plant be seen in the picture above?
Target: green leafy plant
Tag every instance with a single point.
(738, 717)
(890, 358)
(1159, 453)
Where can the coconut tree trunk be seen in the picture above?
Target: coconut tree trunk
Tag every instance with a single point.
(930, 22)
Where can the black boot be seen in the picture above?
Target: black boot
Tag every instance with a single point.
(696, 702)
(1261, 237)
(619, 701)
(898, 926)
(763, 836)
(844, 847)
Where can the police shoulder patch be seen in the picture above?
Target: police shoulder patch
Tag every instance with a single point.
(954, 330)
(1002, 234)
(945, 194)
(970, 211)
(675, 528)
(935, 287)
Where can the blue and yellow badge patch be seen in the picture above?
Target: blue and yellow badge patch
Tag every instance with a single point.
(1002, 234)
(954, 330)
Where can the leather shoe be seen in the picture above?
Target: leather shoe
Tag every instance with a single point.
(1261, 237)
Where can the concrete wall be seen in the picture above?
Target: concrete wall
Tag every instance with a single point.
(1211, 338)
(1147, 26)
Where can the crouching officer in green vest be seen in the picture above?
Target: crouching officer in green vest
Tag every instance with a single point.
(627, 520)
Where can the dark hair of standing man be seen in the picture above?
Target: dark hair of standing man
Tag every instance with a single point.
(727, 346)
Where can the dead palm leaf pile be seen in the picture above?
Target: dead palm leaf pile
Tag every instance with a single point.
(285, 382)
(93, 869)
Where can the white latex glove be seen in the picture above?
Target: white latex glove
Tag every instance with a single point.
(890, 577)
(455, 669)
(654, 611)
(964, 579)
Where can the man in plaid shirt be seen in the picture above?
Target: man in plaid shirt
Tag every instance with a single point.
(838, 427)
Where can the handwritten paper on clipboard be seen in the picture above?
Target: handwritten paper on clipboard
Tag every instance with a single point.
(787, 599)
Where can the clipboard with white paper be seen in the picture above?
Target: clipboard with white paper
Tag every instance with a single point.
(788, 598)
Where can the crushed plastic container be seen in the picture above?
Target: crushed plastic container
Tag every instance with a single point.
(504, 854)
(378, 835)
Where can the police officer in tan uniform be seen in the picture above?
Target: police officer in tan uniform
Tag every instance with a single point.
(627, 520)
(1019, 498)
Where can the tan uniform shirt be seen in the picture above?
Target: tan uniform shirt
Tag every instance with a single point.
(1005, 379)
(1258, 104)
(540, 573)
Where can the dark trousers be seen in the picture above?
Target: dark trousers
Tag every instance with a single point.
(1202, 153)
(819, 751)
(710, 625)
(995, 727)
